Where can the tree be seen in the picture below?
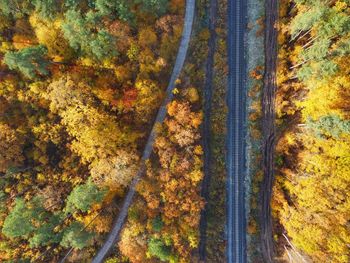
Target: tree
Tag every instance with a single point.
(49, 34)
(5, 22)
(86, 35)
(115, 171)
(170, 191)
(19, 216)
(75, 236)
(116, 8)
(45, 234)
(158, 249)
(10, 148)
(98, 137)
(103, 45)
(52, 197)
(182, 127)
(75, 128)
(122, 31)
(97, 134)
(323, 100)
(30, 61)
(157, 224)
(37, 225)
(133, 243)
(83, 197)
(329, 125)
(158, 7)
(321, 200)
(311, 195)
(305, 20)
(148, 98)
(66, 92)
(46, 8)
(147, 37)
(328, 25)
(101, 223)
(72, 3)
(15, 7)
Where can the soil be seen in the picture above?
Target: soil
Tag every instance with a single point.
(269, 129)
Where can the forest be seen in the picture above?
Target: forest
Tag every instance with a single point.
(81, 82)
(80, 85)
(311, 201)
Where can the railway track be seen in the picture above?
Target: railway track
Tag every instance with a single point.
(236, 133)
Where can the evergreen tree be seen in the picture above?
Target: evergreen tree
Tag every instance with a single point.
(84, 34)
(116, 8)
(45, 234)
(158, 249)
(36, 224)
(158, 7)
(75, 236)
(19, 216)
(16, 8)
(30, 61)
(329, 126)
(83, 197)
(157, 224)
(46, 8)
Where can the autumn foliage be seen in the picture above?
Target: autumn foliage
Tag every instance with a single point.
(311, 193)
(163, 223)
(80, 84)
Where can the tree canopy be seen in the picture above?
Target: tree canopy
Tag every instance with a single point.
(30, 61)
(81, 83)
(311, 192)
(83, 197)
(85, 34)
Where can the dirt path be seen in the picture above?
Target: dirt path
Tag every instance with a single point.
(269, 129)
(206, 133)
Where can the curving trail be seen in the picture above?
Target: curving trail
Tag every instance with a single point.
(180, 59)
(236, 133)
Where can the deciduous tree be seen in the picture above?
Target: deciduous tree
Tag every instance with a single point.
(10, 148)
